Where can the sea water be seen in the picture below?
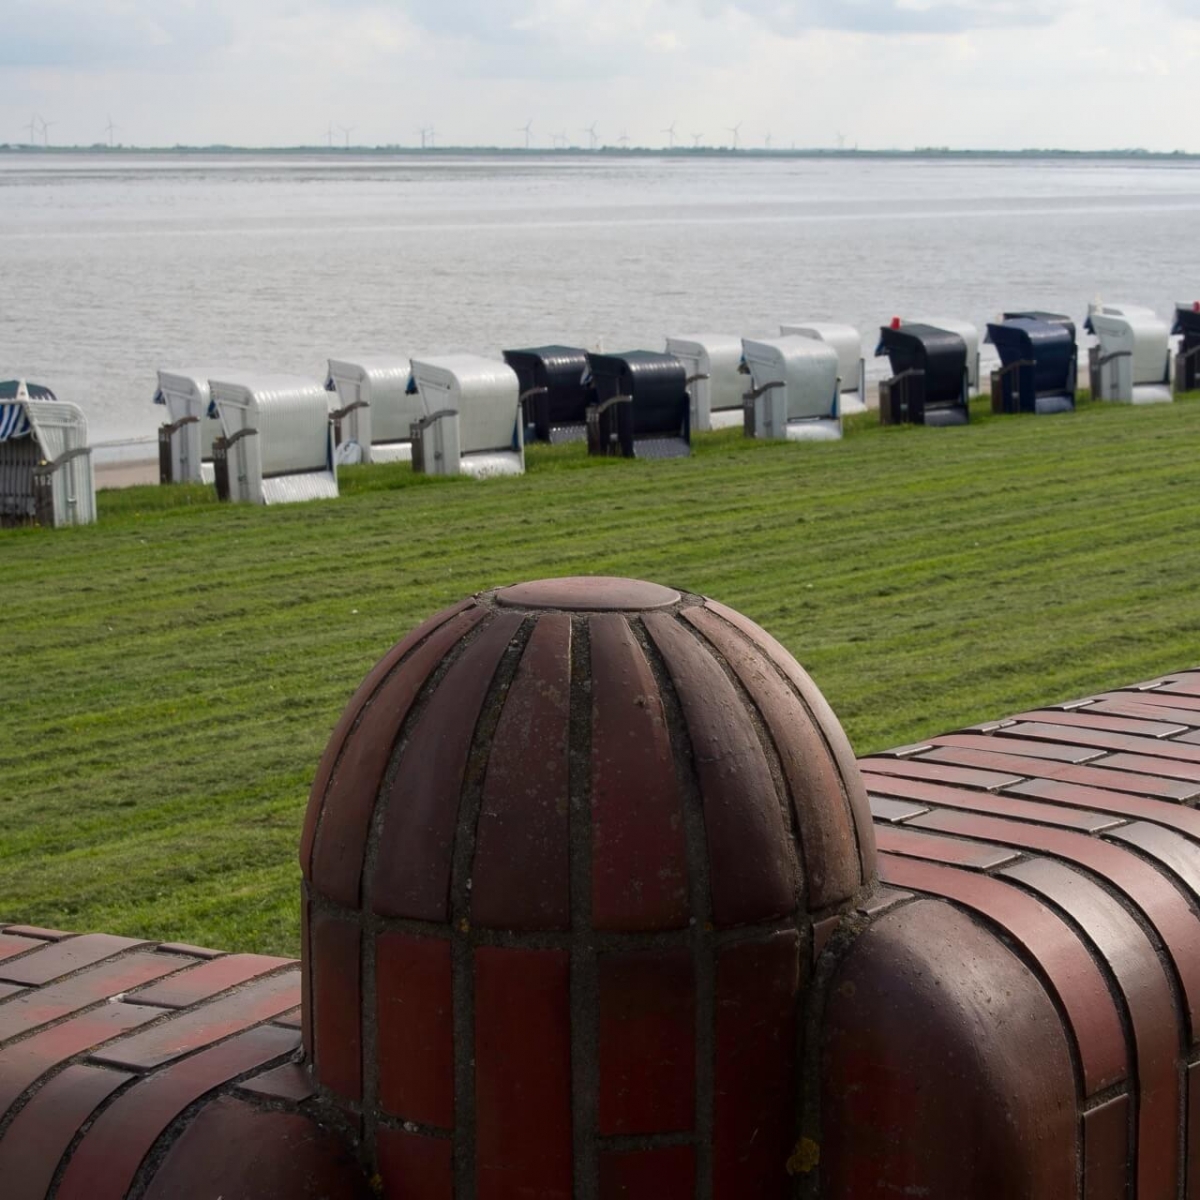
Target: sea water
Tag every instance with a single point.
(112, 266)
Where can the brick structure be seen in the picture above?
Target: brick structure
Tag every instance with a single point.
(598, 904)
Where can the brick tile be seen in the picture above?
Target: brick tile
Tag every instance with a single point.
(522, 1074)
(832, 871)
(9, 989)
(639, 856)
(53, 961)
(1089, 776)
(937, 772)
(647, 1042)
(520, 878)
(306, 973)
(339, 844)
(1066, 963)
(106, 1160)
(238, 1151)
(292, 1019)
(415, 1167)
(1144, 764)
(752, 867)
(190, 951)
(881, 899)
(33, 1145)
(664, 1173)
(1174, 852)
(925, 1077)
(1184, 686)
(415, 1032)
(822, 932)
(1108, 740)
(26, 1061)
(11, 946)
(1089, 718)
(193, 1028)
(1167, 911)
(1106, 1150)
(1193, 1132)
(1158, 1028)
(337, 1002)
(825, 719)
(416, 842)
(931, 795)
(36, 931)
(1180, 709)
(979, 856)
(1162, 812)
(1002, 743)
(200, 983)
(88, 987)
(757, 990)
(367, 691)
(885, 809)
(288, 1082)
(1191, 739)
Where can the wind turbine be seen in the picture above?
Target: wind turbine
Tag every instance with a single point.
(559, 140)
(329, 136)
(590, 130)
(110, 129)
(670, 132)
(527, 130)
(841, 140)
(46, 131)
(767, 141)
(347, 130)
(734, 130)
(623, 139)
(33, 123)
(696, 140)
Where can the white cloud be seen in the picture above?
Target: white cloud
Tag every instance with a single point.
(989, 73)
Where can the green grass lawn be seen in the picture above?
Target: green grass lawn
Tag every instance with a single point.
(170, 675)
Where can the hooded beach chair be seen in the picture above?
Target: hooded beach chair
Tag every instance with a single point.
(1039, 365)
(717, 387)
(471, 417)
(553, 392)
(794, 390)
(642, 407)
(852, 366)
(375, 408)
(929, 383)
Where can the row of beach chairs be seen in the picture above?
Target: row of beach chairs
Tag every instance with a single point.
(273, 439)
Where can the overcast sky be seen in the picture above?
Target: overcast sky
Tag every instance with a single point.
(884, 73)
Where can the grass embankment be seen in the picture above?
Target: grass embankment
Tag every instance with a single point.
(170, 675)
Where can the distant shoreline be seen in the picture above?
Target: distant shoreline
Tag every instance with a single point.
(335, 153)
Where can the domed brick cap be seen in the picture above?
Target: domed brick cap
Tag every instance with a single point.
(562, 860)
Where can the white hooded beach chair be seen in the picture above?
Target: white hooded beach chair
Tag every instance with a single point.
(794, 389)
(470, 422)
(967, 332)
(717, 387)
(276, 445)
(45, 462)
(1131, 364)
(852, 365)
(376, 408)
(185, 441)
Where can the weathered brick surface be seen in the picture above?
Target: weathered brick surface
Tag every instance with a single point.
(583, 885)
(182, 1032)
(50, 962)
(35, 1142)
(106, 1161)
(199, 983)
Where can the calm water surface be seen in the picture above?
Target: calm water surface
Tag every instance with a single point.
(113, 267)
